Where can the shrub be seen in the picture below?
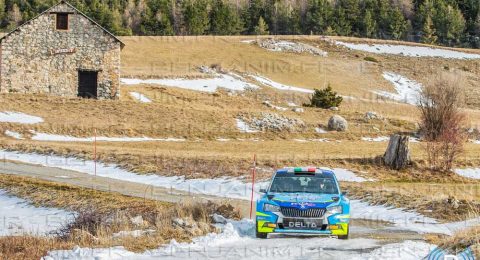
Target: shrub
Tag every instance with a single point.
(325, 98)
(371, 59)
(441, 121)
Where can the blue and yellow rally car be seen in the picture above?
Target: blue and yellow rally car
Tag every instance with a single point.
(303, 200)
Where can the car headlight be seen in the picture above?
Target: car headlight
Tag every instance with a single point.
(335, 209)
(270, 207)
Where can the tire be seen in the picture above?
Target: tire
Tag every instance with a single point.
(345, 237)
(260, 234)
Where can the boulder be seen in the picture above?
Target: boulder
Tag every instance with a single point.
(334, 108)
(298, 110)
(337, 123)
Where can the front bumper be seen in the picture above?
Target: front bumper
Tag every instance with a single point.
(272, 222)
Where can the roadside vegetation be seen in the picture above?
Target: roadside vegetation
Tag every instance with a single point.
(102, 216)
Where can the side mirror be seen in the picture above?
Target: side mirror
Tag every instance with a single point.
(344, 193)
(263, 190)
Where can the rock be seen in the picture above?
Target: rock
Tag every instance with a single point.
(337, 123)
(272, 122)
(137, 221)
(219, 219)
(288, 46)
(178, 222)
(298, 110)
(334, 108)
(372, 116)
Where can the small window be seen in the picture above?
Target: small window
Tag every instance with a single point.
(62, 21)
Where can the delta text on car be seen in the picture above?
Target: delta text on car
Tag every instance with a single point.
(303, 200)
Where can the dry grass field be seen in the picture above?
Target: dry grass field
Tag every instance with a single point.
(214, 147)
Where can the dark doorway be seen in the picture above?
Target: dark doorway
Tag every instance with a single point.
(87, 84)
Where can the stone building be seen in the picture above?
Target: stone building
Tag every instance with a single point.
(62, 52)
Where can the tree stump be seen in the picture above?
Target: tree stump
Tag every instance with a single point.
(397, 155)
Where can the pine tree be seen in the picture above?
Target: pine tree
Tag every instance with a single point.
(224, 19)
(342, 25)
(261, 28)
(2, 11)
(252, 15)
(397, 24)
(369, 24)
(195, 15)
(428, 32)
(14, 17)
(318, 16)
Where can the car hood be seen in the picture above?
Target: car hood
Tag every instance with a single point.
(303, 200)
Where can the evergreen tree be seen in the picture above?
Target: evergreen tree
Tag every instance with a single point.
(318, 16)
(428, 32)
(224, 19)
(341, 24)
(397, 24)
(195, 15)
(261, 28)
(252, 15)
(369, 24)
(14, 17)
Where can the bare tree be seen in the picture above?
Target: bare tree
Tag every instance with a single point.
(441, 120)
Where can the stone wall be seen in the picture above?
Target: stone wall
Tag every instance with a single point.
(38, 58)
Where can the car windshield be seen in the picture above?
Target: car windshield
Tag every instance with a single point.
(304, 184)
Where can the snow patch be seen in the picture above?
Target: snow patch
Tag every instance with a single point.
(279, 86)
(140, 97)
(19, 217)
(13, 134)
(221, 187)
(412, 51)
(229, 81)
(408, 91)
(244, 127)
(19, 118)
(407, 250)
(406, 220)
(376, 139)
(237, 240)
(347, 175)
(473, 173)
(320, 130)
(66, 138)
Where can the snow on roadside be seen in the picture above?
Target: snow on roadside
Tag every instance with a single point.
(18, 217)
(236, 240)
(279, 86)
(347, 175)
(412, 51)
(229, 81)
(140, 97)
(222, 187)
(407, 91)
(473, 173)
(407, 250)
(18, 117)
(376, 139)
(244, 127)
(406, 220)
(66, 138)
(13, 134)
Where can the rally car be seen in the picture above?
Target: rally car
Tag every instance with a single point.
(303, 200)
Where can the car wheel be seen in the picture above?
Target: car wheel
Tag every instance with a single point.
(343, 237)
(260, 234)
